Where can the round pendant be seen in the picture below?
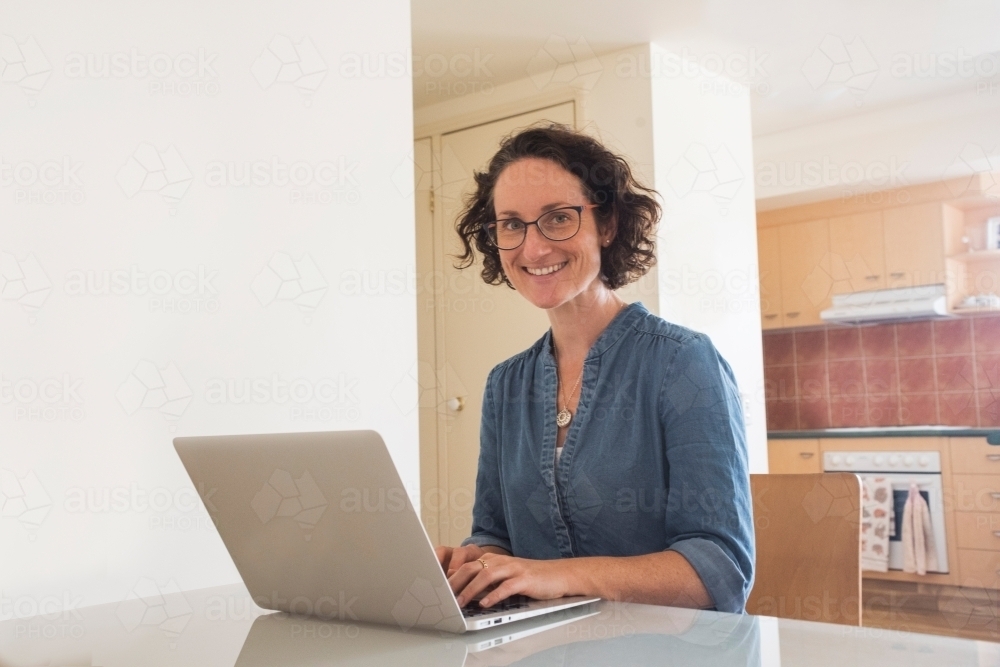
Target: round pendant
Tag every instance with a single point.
(563, 418)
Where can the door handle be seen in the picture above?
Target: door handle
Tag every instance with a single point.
(871, 277)
(770, 316)
(897, 274)
(806, 455)
(792, 314)
(456, 403)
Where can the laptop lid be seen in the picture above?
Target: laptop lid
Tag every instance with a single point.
(320, 524)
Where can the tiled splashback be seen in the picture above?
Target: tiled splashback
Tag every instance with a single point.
(913, 373)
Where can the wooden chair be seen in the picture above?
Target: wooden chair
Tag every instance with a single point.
(808, 531)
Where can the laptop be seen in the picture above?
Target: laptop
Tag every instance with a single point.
(319, 524)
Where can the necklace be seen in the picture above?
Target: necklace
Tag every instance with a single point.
(564, 416)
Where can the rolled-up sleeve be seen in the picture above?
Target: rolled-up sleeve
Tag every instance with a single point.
(708, 519)
(489, 526)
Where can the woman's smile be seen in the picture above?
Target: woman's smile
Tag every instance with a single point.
(542, 271)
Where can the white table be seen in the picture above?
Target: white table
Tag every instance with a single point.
(221, 627)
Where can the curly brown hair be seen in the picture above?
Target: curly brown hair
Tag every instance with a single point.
(607, 182)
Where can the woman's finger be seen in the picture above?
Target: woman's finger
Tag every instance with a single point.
(464, 575)
(497, 570)
(512, 586)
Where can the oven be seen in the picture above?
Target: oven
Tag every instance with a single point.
(901, 469)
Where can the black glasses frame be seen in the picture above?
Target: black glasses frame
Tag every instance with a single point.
(493, 223)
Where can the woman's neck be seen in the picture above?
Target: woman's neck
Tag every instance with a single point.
(577, 324)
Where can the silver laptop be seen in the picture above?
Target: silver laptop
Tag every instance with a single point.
(319, 524)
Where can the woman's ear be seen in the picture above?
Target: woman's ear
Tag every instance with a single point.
(608, 231)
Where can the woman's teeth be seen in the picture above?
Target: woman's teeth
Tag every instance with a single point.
(544, 271)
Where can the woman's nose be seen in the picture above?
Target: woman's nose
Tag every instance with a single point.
(535, 243)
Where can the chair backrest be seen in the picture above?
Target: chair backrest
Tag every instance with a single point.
(808, 531)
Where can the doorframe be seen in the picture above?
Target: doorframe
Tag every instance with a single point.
(435, 455)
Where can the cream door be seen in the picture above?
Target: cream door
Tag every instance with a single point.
(477, 325)
(805, 271)
(857, 252)
(914, 245)
(769, 267)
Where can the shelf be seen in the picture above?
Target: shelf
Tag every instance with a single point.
(977, 256)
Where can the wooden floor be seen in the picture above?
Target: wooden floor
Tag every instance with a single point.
(969, 613)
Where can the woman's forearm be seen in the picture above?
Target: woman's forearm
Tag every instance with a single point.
(662, 578)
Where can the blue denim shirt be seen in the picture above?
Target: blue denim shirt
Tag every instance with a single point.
(655, 457)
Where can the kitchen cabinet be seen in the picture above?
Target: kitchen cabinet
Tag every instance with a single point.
(857, 252)
(793, 457)
(979, 568)
(769, 263)
(975, 456)
(805, 271)
(914, 245)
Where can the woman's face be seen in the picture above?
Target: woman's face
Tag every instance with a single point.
(525, 190)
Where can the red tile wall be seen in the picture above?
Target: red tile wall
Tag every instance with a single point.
(912, 373)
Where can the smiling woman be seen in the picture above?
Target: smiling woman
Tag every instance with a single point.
(635, 487)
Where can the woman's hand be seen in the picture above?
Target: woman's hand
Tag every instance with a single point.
(452, 558)
(539, 579)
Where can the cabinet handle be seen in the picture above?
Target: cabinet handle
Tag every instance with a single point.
(871, 277)
(897, 274)
(770, 316)
(993, 457)
(794, 314)
(809, 455)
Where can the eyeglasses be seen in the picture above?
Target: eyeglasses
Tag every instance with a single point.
(559, 224)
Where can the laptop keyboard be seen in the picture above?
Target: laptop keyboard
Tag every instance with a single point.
(513, 603)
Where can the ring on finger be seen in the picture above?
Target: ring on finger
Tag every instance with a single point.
(483, 563)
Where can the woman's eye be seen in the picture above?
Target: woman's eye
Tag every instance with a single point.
(512, 225)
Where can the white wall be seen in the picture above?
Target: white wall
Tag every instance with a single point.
(708, 277)
(129, 172)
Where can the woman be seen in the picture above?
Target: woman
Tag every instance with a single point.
(612, 459)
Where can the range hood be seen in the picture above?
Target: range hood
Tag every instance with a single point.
(887, 305)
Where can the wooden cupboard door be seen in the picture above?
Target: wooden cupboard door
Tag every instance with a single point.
(974, 456)
(914, 245)
(978, 530)
(857, 252)
(980, 566)
(805, 271)
(769, 267)
(793, 457)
